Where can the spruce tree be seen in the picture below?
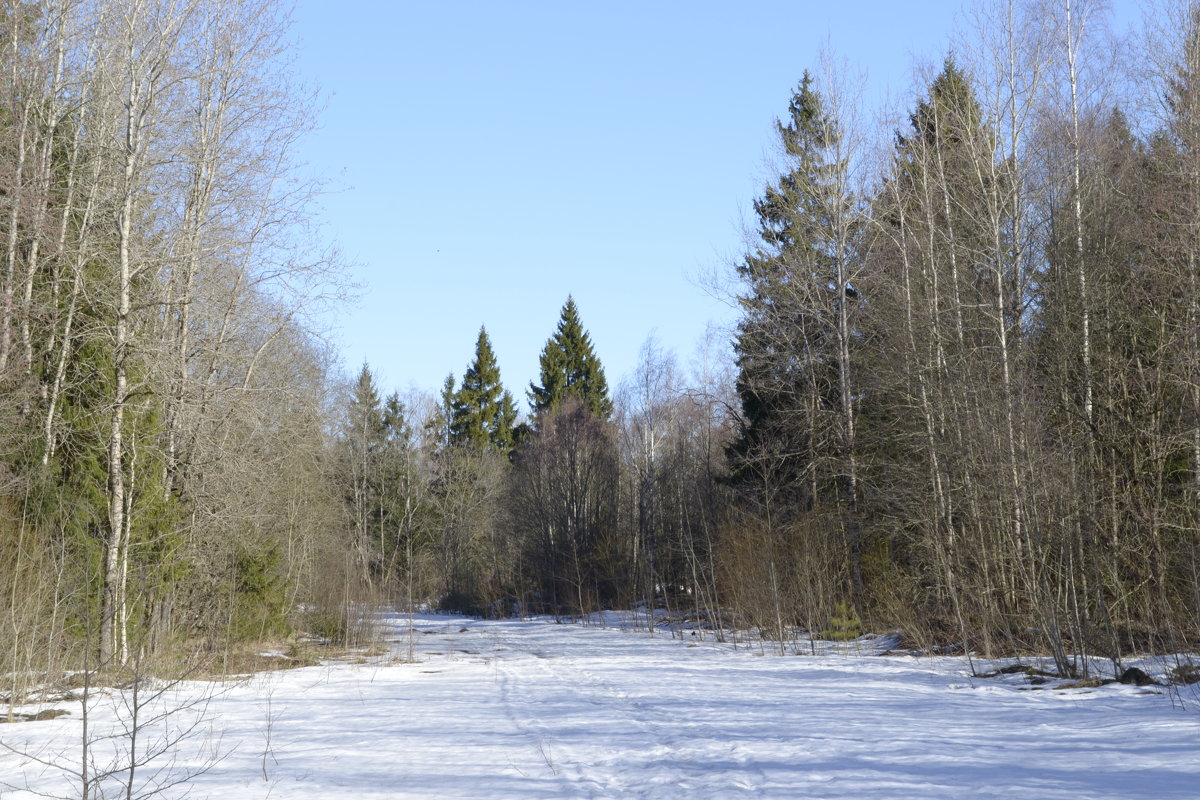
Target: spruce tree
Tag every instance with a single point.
(796, 454)
(363, 442)
(365, 413)
(568, 365)
(482, 412)
(786, 345)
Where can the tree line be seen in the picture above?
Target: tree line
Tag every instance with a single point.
(164, 395)
(963, 398)
(966, 398)
(968, 367)
(564, 511)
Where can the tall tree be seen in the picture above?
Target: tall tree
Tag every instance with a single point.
(934, 339)
(478, 418)
(139, 64)
(482, 412)
(569, 366)
(796, 451)
(1170, 437)
(364, 441)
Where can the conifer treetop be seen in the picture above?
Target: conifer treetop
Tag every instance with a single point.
(366, 419)
(482, 411)
(568, 365)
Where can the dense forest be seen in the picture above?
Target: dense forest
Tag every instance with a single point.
(963, 398)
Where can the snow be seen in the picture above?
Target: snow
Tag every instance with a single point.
(528, 709)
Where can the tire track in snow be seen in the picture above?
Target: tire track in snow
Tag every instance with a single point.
(689, 745)
(571, 775)
(610, 745)
(685, 738)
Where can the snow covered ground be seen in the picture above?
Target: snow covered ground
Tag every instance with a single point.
(520, 710)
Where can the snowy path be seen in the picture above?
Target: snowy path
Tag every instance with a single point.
(531, 709)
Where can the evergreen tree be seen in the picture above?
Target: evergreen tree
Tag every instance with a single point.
(946, 174)
(946, 420)
(364, 444)
(482, 412)
(569, 366)
(438, 426)
(395, 422)
(787, 348)
(376, 469)
(366, 425)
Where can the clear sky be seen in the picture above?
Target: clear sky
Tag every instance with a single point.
(498, 156)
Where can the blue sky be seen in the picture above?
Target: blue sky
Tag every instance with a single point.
(495, 157)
